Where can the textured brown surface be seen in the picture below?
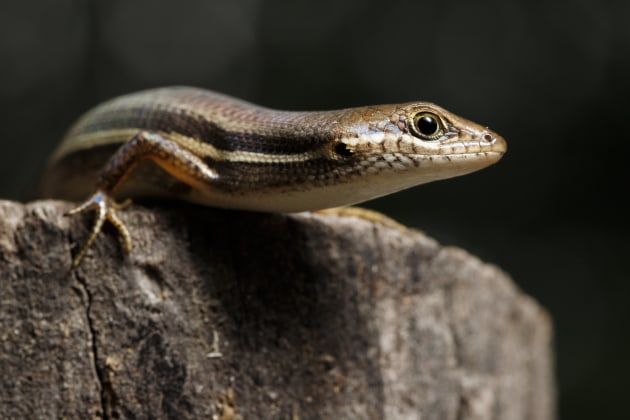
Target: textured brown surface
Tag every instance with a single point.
(244, 315)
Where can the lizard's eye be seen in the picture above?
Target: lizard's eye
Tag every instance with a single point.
(427, 125)
(343, 150)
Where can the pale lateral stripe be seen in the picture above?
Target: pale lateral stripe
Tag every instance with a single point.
(106, 137)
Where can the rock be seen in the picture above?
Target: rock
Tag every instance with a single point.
(228, 315)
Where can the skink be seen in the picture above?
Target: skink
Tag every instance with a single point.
(220, 151)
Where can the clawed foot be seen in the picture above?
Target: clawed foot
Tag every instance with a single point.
(105, 208)
(365, 214)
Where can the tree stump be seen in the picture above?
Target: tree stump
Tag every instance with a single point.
(229, 315)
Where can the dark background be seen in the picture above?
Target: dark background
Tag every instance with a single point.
(552, 77)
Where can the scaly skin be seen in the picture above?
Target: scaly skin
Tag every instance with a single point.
(220, 151)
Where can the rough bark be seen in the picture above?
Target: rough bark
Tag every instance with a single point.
(245, 315)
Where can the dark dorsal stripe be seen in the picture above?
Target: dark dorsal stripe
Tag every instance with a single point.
(197, 127)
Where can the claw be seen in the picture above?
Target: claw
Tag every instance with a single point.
(105, 208)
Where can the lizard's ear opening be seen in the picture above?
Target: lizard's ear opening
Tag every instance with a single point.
(343, 150)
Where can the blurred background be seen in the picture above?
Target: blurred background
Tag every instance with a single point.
(553, 77)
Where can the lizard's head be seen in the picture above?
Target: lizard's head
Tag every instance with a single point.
(413, 143)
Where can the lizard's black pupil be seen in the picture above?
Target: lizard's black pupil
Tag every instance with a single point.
(427, 125)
